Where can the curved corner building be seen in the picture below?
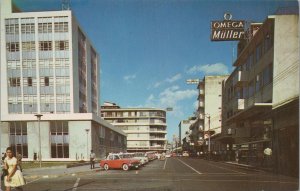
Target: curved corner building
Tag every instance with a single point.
(146, 128)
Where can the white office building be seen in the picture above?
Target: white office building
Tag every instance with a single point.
(50, 67)
(146, 128)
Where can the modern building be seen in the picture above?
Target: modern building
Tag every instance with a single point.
(146, 128)
(209, 110)
(49, 67)
(261, 96)
(184, 128)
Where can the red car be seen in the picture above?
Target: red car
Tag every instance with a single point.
(118, 161)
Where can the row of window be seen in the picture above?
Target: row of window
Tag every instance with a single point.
(43, 46)
(43, 63)
(133, 114)
(255, 85)
(257, 54)
(29, 28)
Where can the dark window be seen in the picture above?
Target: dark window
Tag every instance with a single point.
(29, 81)
(45, 45)
(46, 81)
(14, 82)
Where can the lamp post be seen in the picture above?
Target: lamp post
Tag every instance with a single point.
(39, 116)
(87, 143)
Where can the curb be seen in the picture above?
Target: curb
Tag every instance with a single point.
(29, 177)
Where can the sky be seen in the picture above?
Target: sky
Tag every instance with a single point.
(149, 48)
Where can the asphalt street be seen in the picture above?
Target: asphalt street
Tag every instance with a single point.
(178, 174)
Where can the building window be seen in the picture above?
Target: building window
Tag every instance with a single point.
(12, 28)
(267, 74)
(59, 131)
(28, 46)
(258, 82)
(61, 27)
(258, 52)
(29, 81)
(12, 46)
(45, 45)
(268, 42)
(27, 28)
(46, 81)
(251, 88)
(18, 138)
(45, 27)
(62, 45)
(14, 82)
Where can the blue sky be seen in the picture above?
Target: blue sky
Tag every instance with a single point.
(148, 48)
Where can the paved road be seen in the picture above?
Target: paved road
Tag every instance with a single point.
(178, 174)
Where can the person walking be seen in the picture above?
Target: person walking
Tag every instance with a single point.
(92, 159)
(14, 178)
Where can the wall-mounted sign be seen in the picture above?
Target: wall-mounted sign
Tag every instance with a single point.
(227, 29)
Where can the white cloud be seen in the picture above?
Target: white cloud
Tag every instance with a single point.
(174, 78)
(168, 80)
(157, 84)
(128, 78)
(214, 69)
(170, 97)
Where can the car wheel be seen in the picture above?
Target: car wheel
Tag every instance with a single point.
(106, 167)
(125, 167)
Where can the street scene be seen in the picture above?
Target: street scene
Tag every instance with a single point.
(175, 173)
(149, 95)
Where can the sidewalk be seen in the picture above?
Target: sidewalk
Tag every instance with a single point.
(256, 168)
(53, 172)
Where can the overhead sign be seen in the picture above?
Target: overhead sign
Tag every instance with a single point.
(192, 81)
(227, 29)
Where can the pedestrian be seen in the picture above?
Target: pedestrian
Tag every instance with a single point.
(92, 159)
(19, 160)
(14, 178)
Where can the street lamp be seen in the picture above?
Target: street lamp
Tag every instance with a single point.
(87, 143)
(39, 116)
(208, 116)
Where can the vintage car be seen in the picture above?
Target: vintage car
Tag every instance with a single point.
(141, 156)
(119, 161)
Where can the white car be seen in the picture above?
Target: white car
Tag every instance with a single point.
(185, 154)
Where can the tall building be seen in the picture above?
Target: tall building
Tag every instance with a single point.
(50, 67)
(209, 111)
(261, 96)
(146, 128)
(184, 128)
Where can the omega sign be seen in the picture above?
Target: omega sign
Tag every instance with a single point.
(227, 29)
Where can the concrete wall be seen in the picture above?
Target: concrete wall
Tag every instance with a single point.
(33, 139)
(213, 102)
(78, 139)
(286, 59)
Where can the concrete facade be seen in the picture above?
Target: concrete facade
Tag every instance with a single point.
(50, 67)
(209, 110)
(261, 97)
(146, 128)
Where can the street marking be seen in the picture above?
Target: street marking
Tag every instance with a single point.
(33, 181)
(190, 166)
(226, 168)
(76, 184)
(165, 163)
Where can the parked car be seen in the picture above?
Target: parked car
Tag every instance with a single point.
(118, 161)
(141, 156)
(151, 155)
(185, 154)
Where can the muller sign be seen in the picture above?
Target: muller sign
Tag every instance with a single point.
(227, 29)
